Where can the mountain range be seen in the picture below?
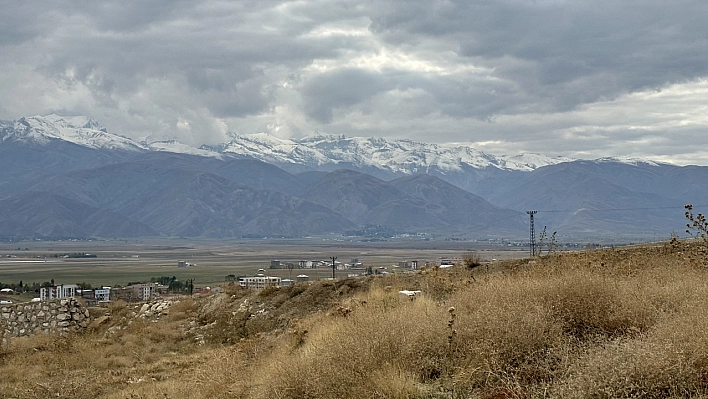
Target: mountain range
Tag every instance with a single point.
(69, 177)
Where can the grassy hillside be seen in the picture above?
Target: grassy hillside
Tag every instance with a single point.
(611, 323)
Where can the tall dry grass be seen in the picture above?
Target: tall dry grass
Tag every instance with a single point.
(615, 323)
(601, 324)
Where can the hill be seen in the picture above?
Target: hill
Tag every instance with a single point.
(609, 323)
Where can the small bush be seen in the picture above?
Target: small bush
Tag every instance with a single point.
(471, 260)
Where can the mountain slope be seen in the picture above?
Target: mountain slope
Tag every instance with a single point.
(459, 207)
(51, 215)
(352, 194)
(419, 203)
(21, 162)
(572, 199)
(184, 202)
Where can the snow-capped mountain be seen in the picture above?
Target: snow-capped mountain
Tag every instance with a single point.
(179, 148)
(85, 181)
(401, 157)
(629, 161)
(396, 157)
(79, 130)
(317, 152)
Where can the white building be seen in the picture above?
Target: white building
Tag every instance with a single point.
(145, 292)
(259, 282)
(57, 292)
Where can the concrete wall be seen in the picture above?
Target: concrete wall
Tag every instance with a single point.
(56, 316)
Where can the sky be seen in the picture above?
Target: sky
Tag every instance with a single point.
(575, 78)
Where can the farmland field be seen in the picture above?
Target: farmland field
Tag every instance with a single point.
(124, 261)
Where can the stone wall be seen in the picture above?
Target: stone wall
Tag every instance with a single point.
(56, 316)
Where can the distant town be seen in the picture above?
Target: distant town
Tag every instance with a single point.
(164, 285)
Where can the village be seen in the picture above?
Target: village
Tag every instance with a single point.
(159, 287)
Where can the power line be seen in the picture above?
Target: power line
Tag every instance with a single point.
(496, 220)
(616, 209)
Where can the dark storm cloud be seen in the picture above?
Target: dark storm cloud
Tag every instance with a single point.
(340, 89)
(564, 52)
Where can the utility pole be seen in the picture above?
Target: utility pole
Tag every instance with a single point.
(333, 266)
(532, 237)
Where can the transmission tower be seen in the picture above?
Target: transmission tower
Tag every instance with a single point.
(532, 238)
(333, 265)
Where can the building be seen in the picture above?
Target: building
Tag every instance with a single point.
(413, 264)
(259, 282)
(135, 292)
(94, 297)
(309, 264)
(57, 292)
(102, 295)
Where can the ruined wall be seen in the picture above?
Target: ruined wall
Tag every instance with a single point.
(56, 316)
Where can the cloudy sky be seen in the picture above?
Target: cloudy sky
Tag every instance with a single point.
(577, 78)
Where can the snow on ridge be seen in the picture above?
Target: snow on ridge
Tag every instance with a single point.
(629, 161)
(397, 156)
(181, 148)
(272, 149)
(79, 130)
(531, 161)
(78, 122)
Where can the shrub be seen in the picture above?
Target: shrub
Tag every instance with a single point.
(471, 260)
(697, 225)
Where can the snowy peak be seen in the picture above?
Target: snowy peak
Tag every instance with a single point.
(395, 156)
(629, 161)
(319, 151)
(531, 161)
(273, 150)
(79, 130)
(73, 122)
(180, 148)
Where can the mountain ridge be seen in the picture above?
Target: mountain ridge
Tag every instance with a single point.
(322, 184)
(395, 156)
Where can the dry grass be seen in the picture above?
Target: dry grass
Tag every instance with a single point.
(624, 323)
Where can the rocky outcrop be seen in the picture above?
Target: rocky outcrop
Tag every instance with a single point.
(57, 316)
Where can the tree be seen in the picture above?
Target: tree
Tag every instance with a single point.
(697, 225)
